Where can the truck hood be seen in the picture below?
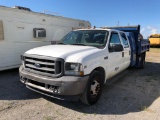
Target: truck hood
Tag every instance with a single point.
(70, 53)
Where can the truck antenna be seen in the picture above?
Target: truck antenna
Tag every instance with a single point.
(118, 23)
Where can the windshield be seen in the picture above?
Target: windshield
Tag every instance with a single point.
(96, 38)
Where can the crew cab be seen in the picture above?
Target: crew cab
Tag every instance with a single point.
(78, 65)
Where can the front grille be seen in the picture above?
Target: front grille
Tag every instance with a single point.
(42, 65)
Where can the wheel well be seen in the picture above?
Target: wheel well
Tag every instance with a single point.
(102, 71)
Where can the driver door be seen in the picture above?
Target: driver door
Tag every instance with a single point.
(115, 59)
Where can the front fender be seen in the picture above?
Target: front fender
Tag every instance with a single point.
(90, 65)
(93, 60)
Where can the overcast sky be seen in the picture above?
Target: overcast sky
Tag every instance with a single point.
(101, 12)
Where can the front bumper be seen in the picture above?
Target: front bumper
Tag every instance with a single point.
(64, 87)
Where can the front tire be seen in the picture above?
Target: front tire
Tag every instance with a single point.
(93, 88)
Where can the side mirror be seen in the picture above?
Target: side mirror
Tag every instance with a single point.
(115, 48)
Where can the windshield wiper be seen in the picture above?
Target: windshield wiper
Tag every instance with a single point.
(79, 44)
(100, 47)
(61, 43)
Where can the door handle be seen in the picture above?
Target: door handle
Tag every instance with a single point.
(122, 54)
(106, 57)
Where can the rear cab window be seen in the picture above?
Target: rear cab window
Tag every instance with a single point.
(124, 40)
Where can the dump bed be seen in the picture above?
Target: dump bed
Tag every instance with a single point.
(143, 46)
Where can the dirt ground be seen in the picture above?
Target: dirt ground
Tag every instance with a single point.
(135, 96)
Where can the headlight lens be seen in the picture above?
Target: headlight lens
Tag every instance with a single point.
(74, 69)
(71, 66)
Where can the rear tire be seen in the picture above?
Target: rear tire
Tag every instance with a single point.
(142, 64)
(93, 88)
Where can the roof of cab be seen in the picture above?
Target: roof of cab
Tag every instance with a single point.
(96, 29)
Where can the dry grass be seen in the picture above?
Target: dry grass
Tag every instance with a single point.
(145, 108)
(155, 50)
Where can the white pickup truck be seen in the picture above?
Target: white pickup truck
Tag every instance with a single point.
(77, 67)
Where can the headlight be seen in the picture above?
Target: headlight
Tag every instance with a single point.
(74, 69)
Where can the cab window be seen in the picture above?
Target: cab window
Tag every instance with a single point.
(114, 39)
(115, 43)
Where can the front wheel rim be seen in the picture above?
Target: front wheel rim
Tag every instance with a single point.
(95, 89)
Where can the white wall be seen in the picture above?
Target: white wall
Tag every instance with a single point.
(18, 32)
